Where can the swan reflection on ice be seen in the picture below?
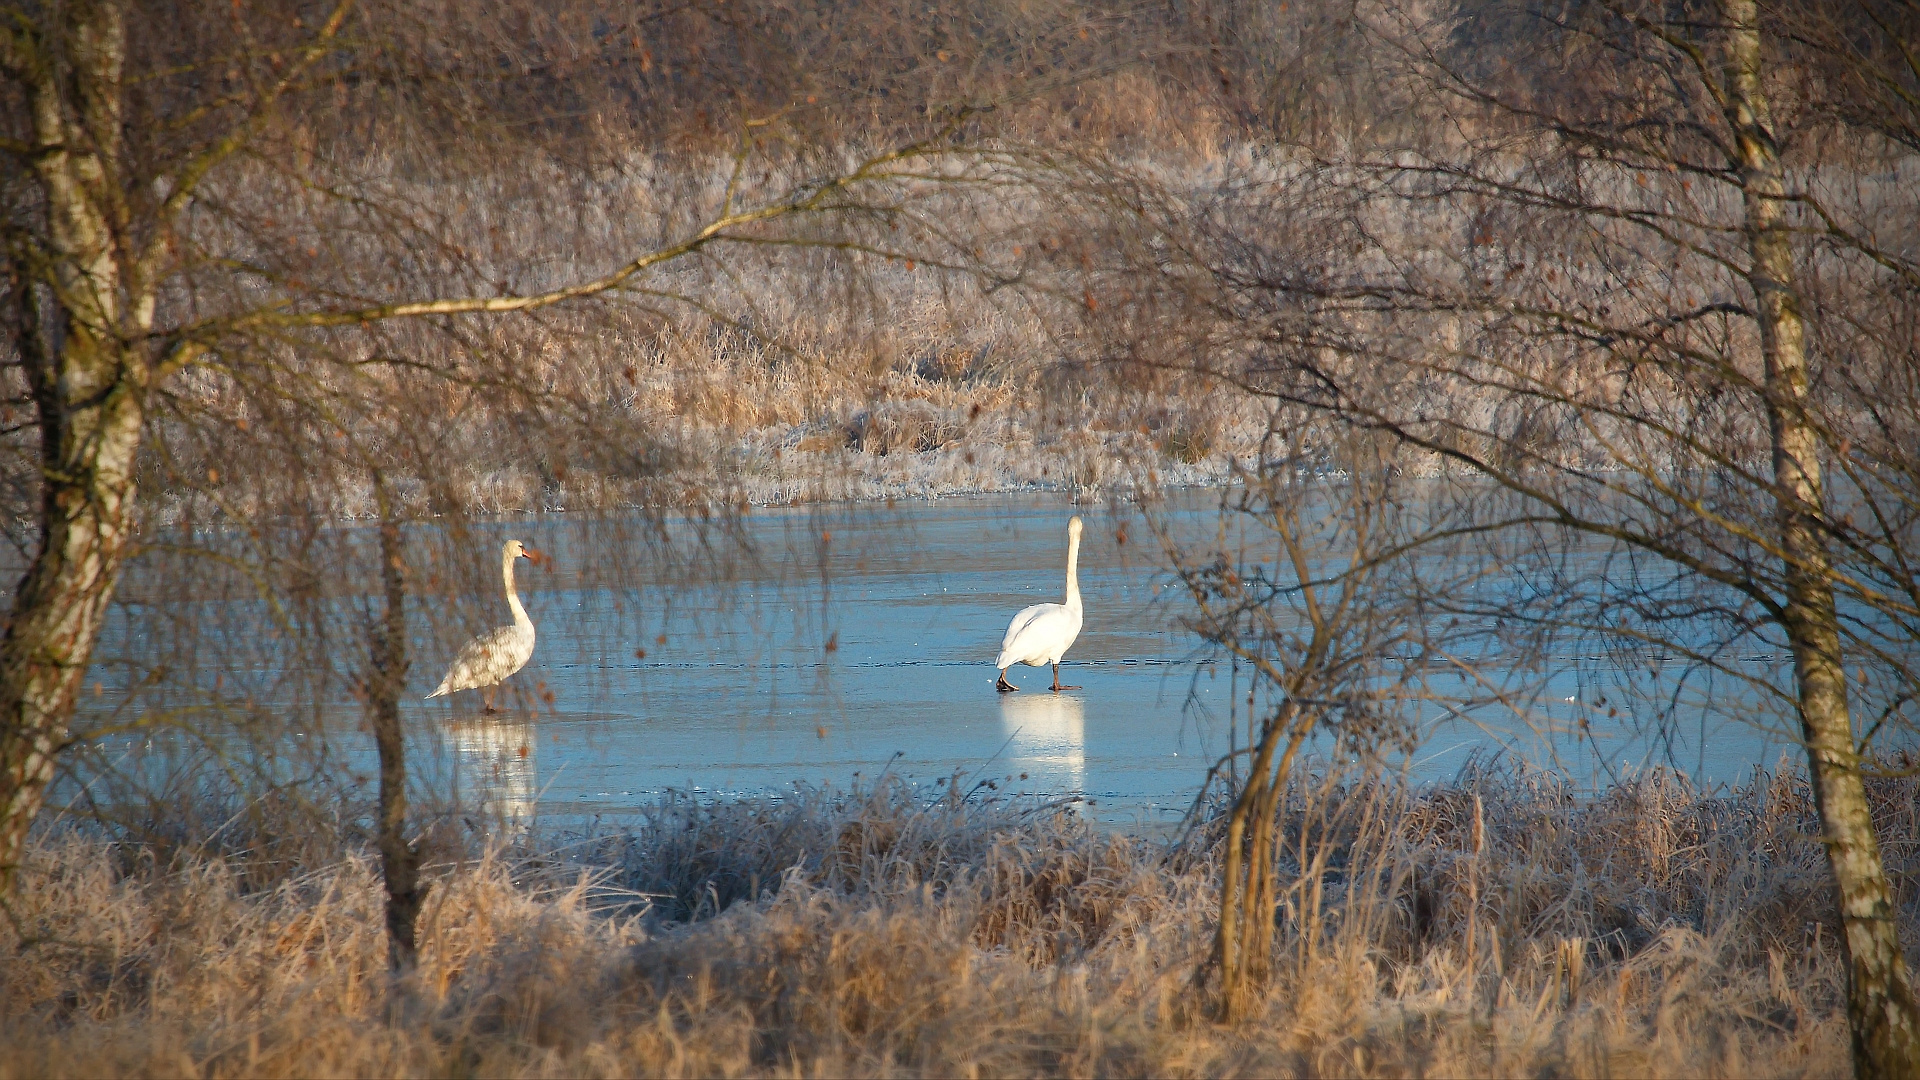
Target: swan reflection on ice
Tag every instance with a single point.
(496, 761)
(1047, 738)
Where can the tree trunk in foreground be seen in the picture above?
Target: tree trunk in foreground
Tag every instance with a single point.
(61, 603)
(1243, 942)
(89, 381)
(400, 860)
(1881, 1010)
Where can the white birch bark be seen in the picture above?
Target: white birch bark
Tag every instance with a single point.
(89, 381)
(1880, 1003)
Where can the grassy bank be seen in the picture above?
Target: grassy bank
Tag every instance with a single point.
(1495, 925)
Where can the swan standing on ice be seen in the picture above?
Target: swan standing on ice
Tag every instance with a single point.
(487, 660)
(1041, 634)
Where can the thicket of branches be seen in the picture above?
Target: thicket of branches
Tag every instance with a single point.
(1523, 332)
(1647, 283)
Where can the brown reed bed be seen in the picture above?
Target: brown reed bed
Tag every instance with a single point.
(1498, 924)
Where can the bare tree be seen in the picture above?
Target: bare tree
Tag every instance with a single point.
(1314, 601)
(165, 248)
(1662, 313)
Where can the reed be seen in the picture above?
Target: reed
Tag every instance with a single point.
(889, 930)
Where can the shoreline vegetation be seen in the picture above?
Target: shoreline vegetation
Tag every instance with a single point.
(1647, 275)
(1493, 924)
(949, 395)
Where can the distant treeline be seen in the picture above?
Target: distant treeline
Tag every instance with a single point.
(593, 75)
(586, 76)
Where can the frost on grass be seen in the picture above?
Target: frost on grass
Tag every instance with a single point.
(793, 378)
(886, 930)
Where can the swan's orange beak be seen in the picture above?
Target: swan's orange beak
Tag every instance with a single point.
(536, 557)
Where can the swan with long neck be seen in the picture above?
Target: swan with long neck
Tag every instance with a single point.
(487, 660)
(1041, 634)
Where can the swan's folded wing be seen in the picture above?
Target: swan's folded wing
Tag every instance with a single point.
(1031, 632)
(1020, 623)
(483, 661)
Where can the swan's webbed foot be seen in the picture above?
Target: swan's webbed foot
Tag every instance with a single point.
(1056, 681)
(1003, 685)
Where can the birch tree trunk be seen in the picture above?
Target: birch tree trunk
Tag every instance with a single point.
(82, 326)
(92, 239)
(1880, 1002)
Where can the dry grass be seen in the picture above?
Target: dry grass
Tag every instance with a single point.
(886, 931)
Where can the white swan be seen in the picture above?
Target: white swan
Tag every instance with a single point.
(487, 660)
(1042, 634)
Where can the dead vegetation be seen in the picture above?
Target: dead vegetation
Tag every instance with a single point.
(1498, 924)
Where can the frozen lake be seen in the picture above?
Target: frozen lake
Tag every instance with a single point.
(739, 691)
(859, 639)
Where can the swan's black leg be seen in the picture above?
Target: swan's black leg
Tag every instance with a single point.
(1003, 685)
(486, 697)
(1056, 681)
